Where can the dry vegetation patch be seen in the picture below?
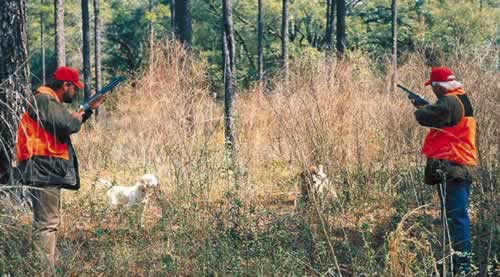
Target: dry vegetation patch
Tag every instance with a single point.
(211, 217)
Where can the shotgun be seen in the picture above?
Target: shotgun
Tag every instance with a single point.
(415, 98)
(103, 91)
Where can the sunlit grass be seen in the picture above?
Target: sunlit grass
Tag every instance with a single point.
(211, 217)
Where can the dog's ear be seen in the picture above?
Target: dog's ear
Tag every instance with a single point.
(149, 180)
(313, 169)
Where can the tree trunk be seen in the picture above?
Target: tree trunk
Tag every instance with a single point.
(59, 40)
(151, 25)
(229, 66)
(284, 41)
(42, 40)
(183, 22)
(418, 10)
(14, 77)
(172, 17)
(260, 38)
(330, 18)
(86, 49)
(183, 32)
(394, 8)
(151, 42)
(341, 32)
(97, 45)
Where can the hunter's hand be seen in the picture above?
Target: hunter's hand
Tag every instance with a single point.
(415, 104)
(78, 115)
(94, 105)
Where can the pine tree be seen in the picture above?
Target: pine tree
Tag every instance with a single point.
(183, 22)
(97, 45)
(59, 25)
(341, 29)
(284, 41)
(42, 41)
(330, 16)
(229, 66)
(86, 49)
(260, 38)
(394, 25)
(14, 77)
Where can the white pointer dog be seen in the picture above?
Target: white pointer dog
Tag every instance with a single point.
(129, 196)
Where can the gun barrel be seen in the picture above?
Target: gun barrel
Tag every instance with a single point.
(111, 85)
(86, 105)
(405, 89)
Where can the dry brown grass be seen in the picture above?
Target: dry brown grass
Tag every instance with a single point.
(366, 137)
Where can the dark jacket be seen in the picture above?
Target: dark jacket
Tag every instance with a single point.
(446, 112)
(51, 171)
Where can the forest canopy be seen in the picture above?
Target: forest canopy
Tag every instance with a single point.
(434, 28)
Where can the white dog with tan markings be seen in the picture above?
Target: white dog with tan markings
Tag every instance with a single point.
(129, 196)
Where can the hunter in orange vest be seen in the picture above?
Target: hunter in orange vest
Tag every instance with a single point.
(45, 156)
(450, 148)
(33, 140)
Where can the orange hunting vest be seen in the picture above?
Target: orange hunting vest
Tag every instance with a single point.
(455, 143)
(33, 140)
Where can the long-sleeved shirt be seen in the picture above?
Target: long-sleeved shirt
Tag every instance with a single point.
(446, 112)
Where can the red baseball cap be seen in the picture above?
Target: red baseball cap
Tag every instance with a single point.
(68, 74)
(440, 74)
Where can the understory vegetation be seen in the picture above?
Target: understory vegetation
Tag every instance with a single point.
(213, 216)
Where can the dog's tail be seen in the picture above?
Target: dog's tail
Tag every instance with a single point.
(106, 183)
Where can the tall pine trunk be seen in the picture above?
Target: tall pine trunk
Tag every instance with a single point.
(260, 39)
(42, 40)
(418, 10)
(151, 42)
(183, 33)
(97, 45)
(394, 76)
(151, 26)
(183, 22)
(341, 29)
(330, 19)
(229, 66)
(284, 41)
(86, 49)
(14, 77)
(172, 17)
(59, 40)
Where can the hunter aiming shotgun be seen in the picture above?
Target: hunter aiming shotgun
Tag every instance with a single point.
(415, 98)
(105, 90)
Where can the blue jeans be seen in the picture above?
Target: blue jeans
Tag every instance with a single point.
(456, 196)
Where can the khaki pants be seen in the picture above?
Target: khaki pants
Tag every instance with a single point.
(46, 211)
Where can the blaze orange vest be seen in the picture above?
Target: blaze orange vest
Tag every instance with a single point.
(34, 140)
(455, 143)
